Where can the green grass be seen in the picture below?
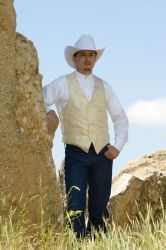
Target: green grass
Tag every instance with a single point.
(143, 234)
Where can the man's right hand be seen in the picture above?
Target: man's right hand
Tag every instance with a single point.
(53, 121)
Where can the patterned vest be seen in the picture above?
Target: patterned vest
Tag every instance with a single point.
(84, 122)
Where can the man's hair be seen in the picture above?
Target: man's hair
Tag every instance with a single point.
(75, 54)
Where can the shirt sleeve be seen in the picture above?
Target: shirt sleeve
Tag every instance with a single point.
(118, 117)
(55, 92)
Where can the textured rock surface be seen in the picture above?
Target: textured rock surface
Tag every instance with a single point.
(26, 165)
(143, 182)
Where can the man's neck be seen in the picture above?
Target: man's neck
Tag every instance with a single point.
(83, 75)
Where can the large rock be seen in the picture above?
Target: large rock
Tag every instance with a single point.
(27, 172)
(140, 183)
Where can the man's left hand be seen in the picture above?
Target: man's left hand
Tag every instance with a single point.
(112, 152)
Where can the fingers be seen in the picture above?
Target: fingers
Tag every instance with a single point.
(51, 126)
(112, 152)
(107, 155)
(53, 122)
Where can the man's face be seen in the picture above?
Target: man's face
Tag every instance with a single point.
(85, 61)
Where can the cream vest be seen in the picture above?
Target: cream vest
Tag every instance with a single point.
(84, 122)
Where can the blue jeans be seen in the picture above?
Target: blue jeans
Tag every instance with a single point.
(93, 171)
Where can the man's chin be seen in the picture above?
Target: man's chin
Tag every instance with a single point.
(87, 70)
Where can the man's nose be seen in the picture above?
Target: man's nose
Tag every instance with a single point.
(87, 57)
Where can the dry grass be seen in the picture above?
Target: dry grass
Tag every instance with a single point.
(143, 234)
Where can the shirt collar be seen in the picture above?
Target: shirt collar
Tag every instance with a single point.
(83, 77)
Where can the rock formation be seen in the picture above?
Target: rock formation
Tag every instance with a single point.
(27, 172)
(140, 183)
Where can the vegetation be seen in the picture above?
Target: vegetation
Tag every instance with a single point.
(141, 234)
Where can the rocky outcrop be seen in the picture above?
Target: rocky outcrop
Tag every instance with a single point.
(27, 172)
(140, 183)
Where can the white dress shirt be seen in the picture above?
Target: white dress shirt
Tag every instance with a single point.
(57, 93)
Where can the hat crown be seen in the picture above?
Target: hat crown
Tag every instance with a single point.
(85, 42)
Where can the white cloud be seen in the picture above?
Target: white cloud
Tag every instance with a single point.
(148, 113)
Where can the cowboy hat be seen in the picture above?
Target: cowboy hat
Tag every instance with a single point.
(85, 42)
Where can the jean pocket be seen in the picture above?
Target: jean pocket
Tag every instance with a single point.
(106, 156)
(104, 150)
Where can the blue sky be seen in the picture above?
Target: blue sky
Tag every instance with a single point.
(134, 62)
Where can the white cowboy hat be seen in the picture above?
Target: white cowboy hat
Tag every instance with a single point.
(85, 42)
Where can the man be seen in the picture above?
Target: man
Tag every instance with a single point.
(82, 101)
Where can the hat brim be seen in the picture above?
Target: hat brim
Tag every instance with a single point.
(70, 51)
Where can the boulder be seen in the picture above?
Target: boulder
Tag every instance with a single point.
(27, 172)
(140, 184)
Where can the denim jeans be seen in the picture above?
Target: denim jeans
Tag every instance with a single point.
(87, 171)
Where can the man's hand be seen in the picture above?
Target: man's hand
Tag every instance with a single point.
(112, 152)
(53, 121)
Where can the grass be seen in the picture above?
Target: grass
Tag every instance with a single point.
(141, 234)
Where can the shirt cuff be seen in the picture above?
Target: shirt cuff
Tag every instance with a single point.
(119, 145)
(48, 109)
